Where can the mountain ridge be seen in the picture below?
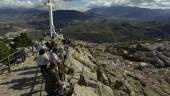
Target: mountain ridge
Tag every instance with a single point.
(131, 12)
(120, 12)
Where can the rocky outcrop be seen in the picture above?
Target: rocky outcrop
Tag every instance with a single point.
(112, 76)
(164, 59)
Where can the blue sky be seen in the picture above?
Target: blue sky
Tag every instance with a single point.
(85, 4)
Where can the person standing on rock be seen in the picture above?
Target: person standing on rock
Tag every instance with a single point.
(42, 60)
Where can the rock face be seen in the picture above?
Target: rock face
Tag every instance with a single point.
(104, 74)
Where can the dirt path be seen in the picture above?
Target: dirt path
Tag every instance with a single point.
(25, 80)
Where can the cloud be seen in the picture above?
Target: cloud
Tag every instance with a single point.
(21, 3)
(150, 3)
(85, 4)
(30, 3)
(135, 3)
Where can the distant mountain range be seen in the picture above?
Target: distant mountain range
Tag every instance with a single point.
(15, 11)
(18, 15)
(62, 18)
(104, 24)
(118, 12)
(42, 16)
(65, 16)
(132, 13)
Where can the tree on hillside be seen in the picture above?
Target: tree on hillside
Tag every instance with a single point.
(22, 41)
(4, 50)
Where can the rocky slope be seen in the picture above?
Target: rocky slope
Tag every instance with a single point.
(100, 73)
(98, 70)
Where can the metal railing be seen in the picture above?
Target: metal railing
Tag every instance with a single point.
(12, 59)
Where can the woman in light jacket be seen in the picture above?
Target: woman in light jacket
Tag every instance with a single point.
(42, 60)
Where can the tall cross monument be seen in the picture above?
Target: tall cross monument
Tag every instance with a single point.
(51, 19)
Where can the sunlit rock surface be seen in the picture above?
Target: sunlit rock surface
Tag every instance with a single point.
(100, 73)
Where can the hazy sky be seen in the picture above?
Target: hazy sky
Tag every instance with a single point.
(85, 4)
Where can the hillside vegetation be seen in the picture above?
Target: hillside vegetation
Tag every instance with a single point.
(112, 32)
(4, 50)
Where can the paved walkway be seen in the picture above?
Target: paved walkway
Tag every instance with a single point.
(25, 80)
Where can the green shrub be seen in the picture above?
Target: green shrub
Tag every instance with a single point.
(4, 50)
(22, 41)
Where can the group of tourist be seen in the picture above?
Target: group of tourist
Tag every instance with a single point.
(52, 53)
